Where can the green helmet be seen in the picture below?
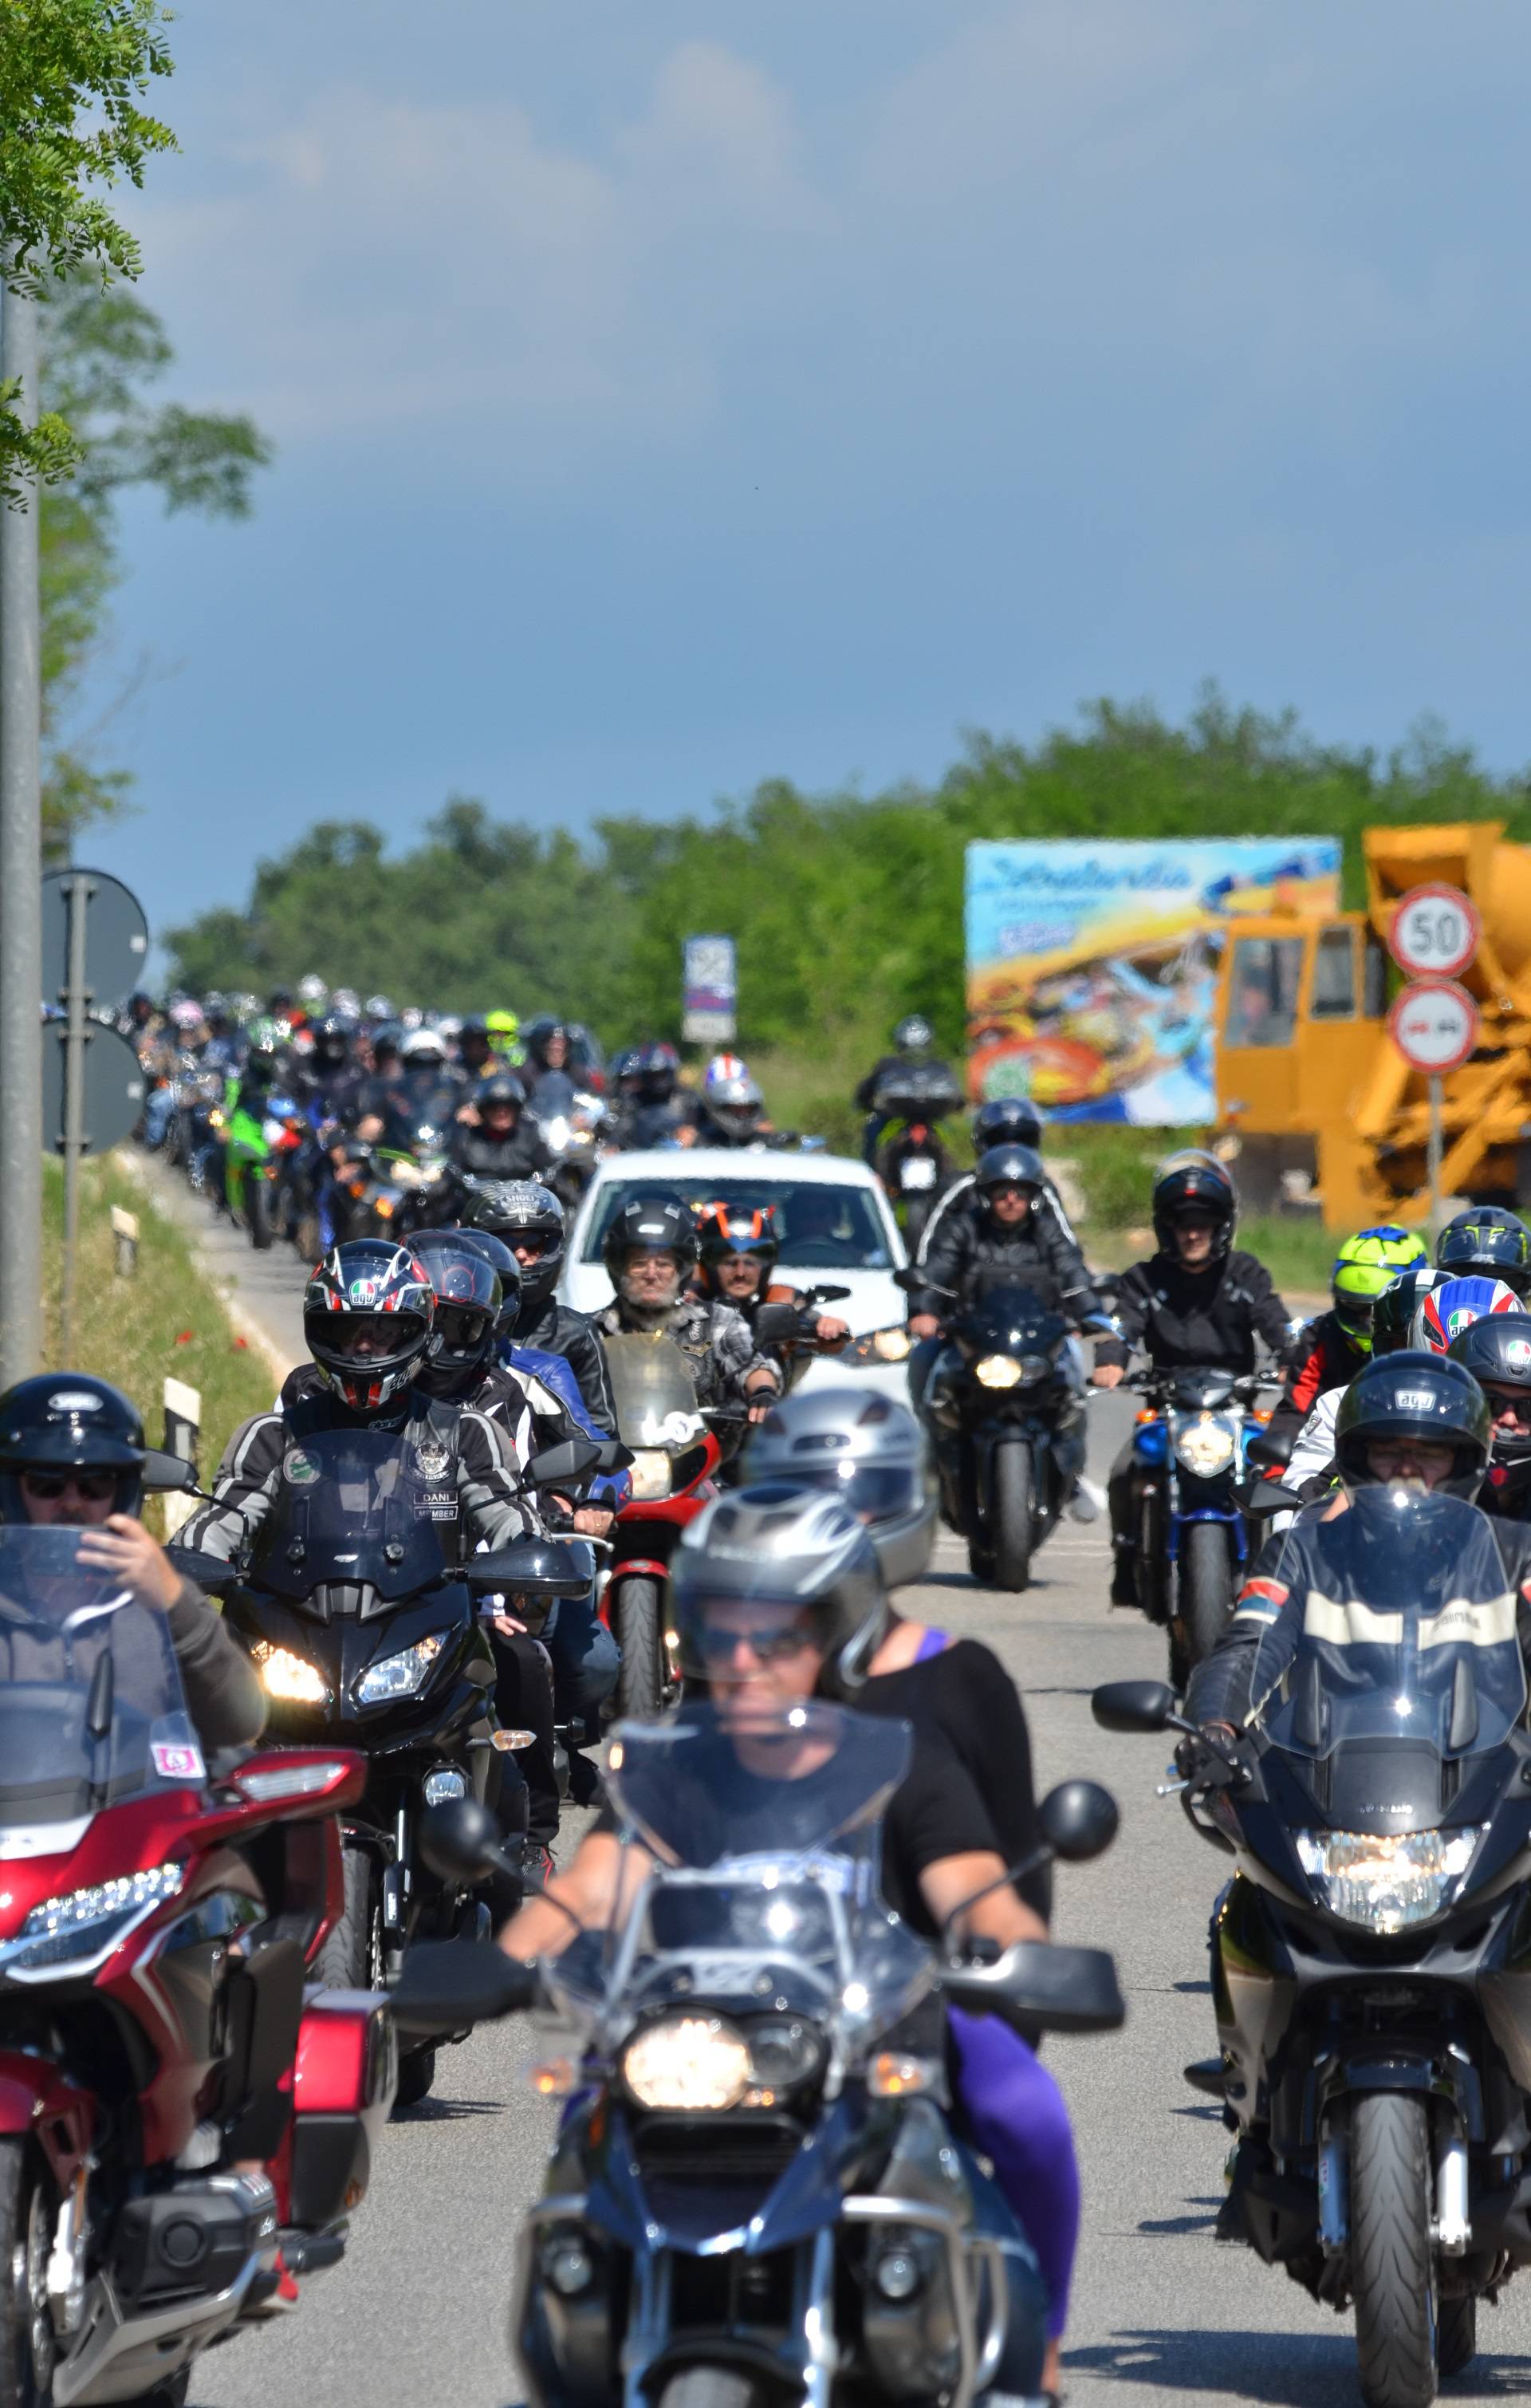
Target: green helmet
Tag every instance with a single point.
(1363, 1266)
(266, 1038)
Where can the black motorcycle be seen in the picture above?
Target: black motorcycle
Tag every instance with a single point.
(1191, 1461)
(913, 1161)
(1371, 1971)
(1006, 1417)
(756, 2197)
(366, 1632)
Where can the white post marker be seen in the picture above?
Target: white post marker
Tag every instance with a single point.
(1435, 932)
(182, 1432)
(125, 1228)
(1435, 1026)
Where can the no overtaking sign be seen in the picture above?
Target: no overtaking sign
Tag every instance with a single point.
(1434, 1025)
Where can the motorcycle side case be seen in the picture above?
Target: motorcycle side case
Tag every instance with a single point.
(344, 2078)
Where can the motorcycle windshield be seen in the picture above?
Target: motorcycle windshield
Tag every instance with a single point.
(765, 1838)
(359, 1506)
(653, 1391)
(1407, 1632)
(1008, 1318)
(91, 1711)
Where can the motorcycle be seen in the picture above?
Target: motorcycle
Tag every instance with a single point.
(1191, 1461)
(363, 1629)
(674, 1451)
(421, 1186)
(756, 2195)
(260, 1136)
(149, 1987)
(1369, 1976)
(913, 1163)
(576, 1138)
(1006, 1417)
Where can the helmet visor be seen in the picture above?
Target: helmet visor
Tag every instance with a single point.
(365, 1337)
(461, 1329)
(873, 1492)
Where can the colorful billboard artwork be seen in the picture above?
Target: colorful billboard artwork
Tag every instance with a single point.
(1092, 967)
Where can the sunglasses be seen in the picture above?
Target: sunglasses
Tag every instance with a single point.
(47, 1487)
(536, 1243)
(1511, 1400)
(768, 1645)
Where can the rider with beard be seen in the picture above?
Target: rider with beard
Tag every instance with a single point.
(648, 1251)
(529, 1219)
(1497, 1350)
(502, 1142)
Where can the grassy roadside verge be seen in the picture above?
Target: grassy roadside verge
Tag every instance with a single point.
(166, 1323)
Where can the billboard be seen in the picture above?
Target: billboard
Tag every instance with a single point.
(1092, 967)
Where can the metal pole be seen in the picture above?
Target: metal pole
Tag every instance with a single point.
(21, 899)
(78, 891)
(1433, 1157)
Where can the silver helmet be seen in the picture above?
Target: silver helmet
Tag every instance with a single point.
(780, 1545)
(870, 1453)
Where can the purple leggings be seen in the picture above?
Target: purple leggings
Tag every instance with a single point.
(1017, 2117)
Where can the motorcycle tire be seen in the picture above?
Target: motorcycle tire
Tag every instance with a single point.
(1393, 2273)
(1012, 1514)
(1206, 1588)
(258, 1213)
(351, 1956)
(915, 1217)
(308, 1238)
(1456, 2334)
(417, 2072)
(709, 2387)
(641, 1680)
(28, 2211)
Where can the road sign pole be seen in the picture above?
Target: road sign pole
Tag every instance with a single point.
(1434, 1150)
(78, 891)
(21, 870)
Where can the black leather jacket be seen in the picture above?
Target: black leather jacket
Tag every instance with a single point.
(1203, 1319)
(558, 1329)
(1035, 1252)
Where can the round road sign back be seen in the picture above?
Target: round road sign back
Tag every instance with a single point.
(1435, 932)
(1434, 1024)
(114, 1088)
(116, 938)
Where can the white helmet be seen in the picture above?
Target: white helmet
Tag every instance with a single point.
(865, 1450)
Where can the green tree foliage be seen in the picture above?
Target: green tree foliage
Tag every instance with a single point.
(73, 76)
(847, 909)
(100, 350)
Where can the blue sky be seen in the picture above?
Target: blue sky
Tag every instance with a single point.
(671, 395)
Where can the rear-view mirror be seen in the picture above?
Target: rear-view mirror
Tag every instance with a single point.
(556, 1465)
(1133, 1705)
(1078, 1821)
(1037, 1983)
(534, 1567)
(460, 1840)
(204, 1571)
(449, 1985)
(164, 1473)
(776, 1325)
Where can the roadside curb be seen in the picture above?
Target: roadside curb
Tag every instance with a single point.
(176, 1204)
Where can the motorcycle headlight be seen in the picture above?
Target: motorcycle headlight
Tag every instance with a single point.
(997, 1371)
(400, 1675)
(68, 1934)
(651, 1473)
(1387, 1880)
(892, 1345)
(273, 1131)
(687, 2065)
(1206, 1446)
(288, 1676)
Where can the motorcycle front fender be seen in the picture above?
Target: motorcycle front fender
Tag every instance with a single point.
(38, 2102)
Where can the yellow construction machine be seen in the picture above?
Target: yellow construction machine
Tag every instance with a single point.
(1315, 1101)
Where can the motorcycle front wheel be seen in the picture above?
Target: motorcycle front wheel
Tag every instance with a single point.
(352, 1958)
(1392, 2271)
(258, 1210)
(1012, 1514)
(1206, 1588)
(641, 1680)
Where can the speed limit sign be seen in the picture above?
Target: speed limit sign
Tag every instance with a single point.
(1434, 1024)
(1435, 932)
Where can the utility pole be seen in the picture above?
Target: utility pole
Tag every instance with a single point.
(20, 877)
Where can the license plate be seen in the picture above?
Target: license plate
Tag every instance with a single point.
(917, 1173)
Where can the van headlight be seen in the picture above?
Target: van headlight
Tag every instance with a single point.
(997, 1371)
(651, 1473)
(1206, 1446)
(687, 2065)
(1386, 1881)
(400, 1675)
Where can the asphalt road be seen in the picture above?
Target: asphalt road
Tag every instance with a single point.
(419, 2309)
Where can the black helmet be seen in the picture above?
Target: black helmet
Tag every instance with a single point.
(913, 1034)
(366, 1320)
(501, 1087)
(1418, 1395)
(71, 1421)
(1195, 1188)
(522, 1212)
(1392, 1314)
(657, 1224)
(779, 1545)
(538, 1033)
(468, 1305)
(1497, 1350)
(332, 1042)
(1006, 1120)
(1487, 1238)
(501, 1261)
(726, 1230)
(1010, 1165)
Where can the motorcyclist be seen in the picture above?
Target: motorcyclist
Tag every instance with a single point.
(328, 1079)
(1307, 1470)
(72, 1452)
(1195, 1304)
(431, 1084)
(502, 1141)
(1333, 1347)
(1488, 1238)
(649, 1249)
(732, 1110)
(870, 1453)
(476, 1048)
(528, 1218)
(737, 1246)
(1012, 1231)
(1004, 1120)
(552, 1084)
(913, 1040)
(655, 1111)
(1497, 1350)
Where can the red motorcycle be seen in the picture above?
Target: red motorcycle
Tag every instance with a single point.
(157, 1936)
(674, 1451)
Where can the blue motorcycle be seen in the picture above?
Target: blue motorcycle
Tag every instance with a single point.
(1190, 1456)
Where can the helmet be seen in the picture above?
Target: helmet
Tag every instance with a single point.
(659, 1067)
(725, 1230)
(1418, 1395)
(539, 1033)
(1497, 1350)
(522, 1212)
(502, 1024)
(789, 1546)
(266, 1040)
(312, 993)
(369, 1294)
(1449, 1307)
(422, 1045)
(346, 1001)
(1491, 1241)
(1006, 1120)
(729, 1091)
(866, 1451)
(469, 1304)
(1393, 1315)
(1362, 1270)
(1008, 1165)
(62, 1421)
(1194, 1186)
(656, 1224)
(331, 1042)
(377, 1007)
(502, 1088)
(913, 1034)
(501, 1261)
